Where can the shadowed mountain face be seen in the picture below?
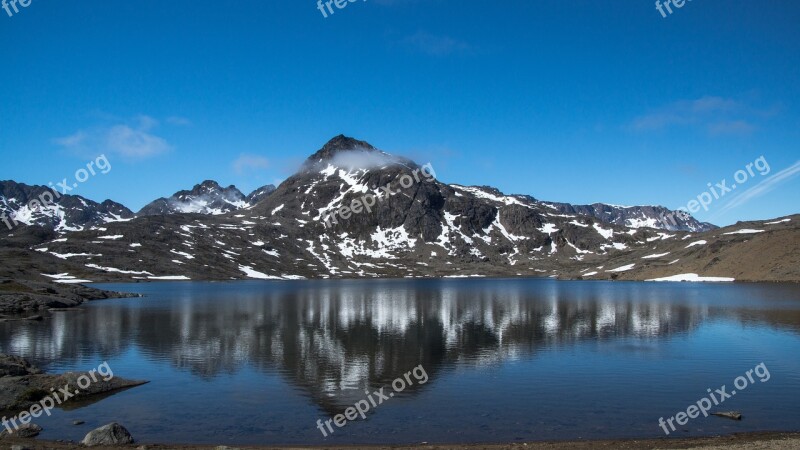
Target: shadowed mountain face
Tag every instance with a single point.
(259, 194)
(355, 211)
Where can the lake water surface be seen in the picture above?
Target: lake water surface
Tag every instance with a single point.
(506, 360)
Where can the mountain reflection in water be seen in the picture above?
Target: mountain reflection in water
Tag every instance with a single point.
(338, 338)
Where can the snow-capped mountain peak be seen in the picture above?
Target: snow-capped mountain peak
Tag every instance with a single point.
(207, 197)
(39, 205)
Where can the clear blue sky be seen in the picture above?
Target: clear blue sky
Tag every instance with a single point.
(579, 101)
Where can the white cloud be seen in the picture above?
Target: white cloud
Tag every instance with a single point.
(134, 143)
(134, 140)
(179, 121)
(731, 127)
(73, 140)
(246, 162)
(715, 115)
(146, 122)
(434, 44)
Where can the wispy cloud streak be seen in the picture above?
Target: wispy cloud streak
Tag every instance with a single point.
(762, 188)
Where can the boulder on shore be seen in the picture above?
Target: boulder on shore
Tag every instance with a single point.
(111, 434)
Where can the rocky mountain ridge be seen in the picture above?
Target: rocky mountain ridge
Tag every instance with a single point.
(21, 204)
(207, 197)
(393, 218)
(72, 213)
(638, 216)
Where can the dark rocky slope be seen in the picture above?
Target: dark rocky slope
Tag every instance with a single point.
(354, 211)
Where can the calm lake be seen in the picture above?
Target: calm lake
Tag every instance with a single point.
(519, 359)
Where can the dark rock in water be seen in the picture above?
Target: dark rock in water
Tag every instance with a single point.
(24, 392)
(28, 430)
(111, 434)
(78, 422)
(15, 366)
(734, 415)
(22, 385)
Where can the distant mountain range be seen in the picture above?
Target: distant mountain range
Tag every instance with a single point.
(207, 197)
(638, 216)
(59, 213)
(73, 213)
(354, 211)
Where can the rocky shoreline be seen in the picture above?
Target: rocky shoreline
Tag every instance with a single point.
(26, 392)
(19, 298)
(739, 441)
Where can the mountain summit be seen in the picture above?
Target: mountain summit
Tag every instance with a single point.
(336, 145)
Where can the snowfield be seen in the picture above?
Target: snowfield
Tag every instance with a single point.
(623, 268)
(744, 231)
(694, 278)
